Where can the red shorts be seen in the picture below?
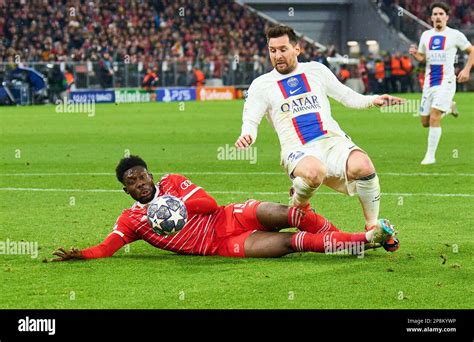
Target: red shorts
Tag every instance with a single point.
(241, 221)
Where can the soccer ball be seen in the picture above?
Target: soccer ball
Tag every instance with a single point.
(167, 215)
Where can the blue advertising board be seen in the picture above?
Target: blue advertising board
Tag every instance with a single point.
(97, 96)
(175, 94)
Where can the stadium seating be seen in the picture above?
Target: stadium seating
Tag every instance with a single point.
(462, 11)
(133, 31)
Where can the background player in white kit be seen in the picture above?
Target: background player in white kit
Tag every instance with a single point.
(438, 48)
(314, 149)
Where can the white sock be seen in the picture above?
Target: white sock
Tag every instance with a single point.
(303, 192)
(433, 139)
(369, 236)
(369, 197)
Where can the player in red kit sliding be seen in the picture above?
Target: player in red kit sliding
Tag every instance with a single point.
(247, 229)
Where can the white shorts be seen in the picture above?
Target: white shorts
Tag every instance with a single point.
(333, 152)
(438, 97)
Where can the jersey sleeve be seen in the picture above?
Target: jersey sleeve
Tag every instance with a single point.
(122, 234)
(196, 199)
(341, 92)
(255, 108)
(107, 248)
(183, 187)
(462, 42)
(124, 228)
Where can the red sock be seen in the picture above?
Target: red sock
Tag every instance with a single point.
(328, 242)
(309, 221)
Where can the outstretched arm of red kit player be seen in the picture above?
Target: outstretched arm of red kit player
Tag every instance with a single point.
(201, 203)
(196, 199)
(107, 248)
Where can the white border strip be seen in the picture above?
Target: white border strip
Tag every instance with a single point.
(429, 194)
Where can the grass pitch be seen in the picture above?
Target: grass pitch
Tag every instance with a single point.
(57, 188)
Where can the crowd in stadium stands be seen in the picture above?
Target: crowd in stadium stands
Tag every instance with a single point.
(204, 33)
(387, 74)
(202, 39)
(462, 11)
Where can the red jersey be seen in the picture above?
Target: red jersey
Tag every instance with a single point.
(210, 229)
(196, 237)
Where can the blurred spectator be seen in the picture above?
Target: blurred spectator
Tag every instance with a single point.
(344, 74)
(198, 79)
(421, 75)
(106, 72)
(56, 83)
(372, 81)
(387, 63)
(380, 76)
(398, 74)
(150, 80)
(363, 73)
(407, 80)
(319, 57)
(70, 82)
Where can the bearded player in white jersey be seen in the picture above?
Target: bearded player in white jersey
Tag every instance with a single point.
(314, 149)
(438, 48)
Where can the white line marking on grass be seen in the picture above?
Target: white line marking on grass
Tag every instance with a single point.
(282, 173)
(425, 174)
(429, 194)
(58, 174)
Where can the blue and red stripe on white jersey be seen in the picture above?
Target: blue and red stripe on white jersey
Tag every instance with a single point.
(308, 127)
(437, 43)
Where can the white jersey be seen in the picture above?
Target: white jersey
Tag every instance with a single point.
(297, 104)
(440, 49)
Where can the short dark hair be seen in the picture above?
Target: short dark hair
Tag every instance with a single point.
(444, 6)
(126, 164)
(281, 30)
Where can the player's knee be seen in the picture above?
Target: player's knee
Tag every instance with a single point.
(425, 120)
(435, 121)
(315, 177)
(363, 167)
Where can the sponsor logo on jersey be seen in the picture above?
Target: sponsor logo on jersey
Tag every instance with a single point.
(294, 85)
(186, 184)
(437, 57)
(295, 155)
(437, 43)
(294, 91)
(292, 82)
(301, 104)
